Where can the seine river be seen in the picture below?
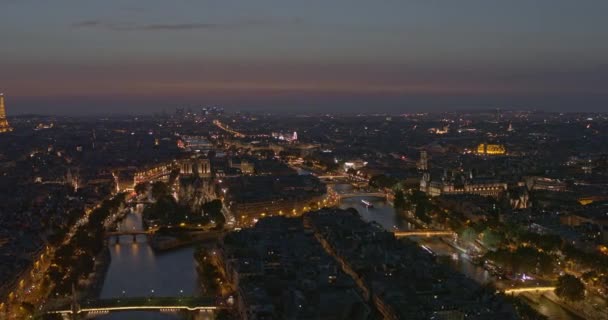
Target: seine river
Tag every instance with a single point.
(384, 214)
(137, 271)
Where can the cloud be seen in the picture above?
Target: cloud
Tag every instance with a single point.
(122, 26)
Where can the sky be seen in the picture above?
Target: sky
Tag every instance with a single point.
(125, 56)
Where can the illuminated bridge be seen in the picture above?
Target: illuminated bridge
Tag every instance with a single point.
(137, 304)
(133, 233)
(362, 194)
(330, 178)
(423, 233)
(528, 289)
(127, 233)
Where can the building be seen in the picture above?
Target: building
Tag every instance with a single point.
(196, 143)
(423, 163)
(4, 126)
(461, 185)
(280, 250)
(547, 184)
(397, 277)
(243, 165)
(251, 198)
(594, 216)
(196, 166)
(488, 149)
(354, 164)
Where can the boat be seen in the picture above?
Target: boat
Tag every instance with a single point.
(367, 204)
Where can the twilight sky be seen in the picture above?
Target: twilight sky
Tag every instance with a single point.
(85, 57)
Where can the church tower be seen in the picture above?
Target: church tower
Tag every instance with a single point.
(423, 163)
(4, 126)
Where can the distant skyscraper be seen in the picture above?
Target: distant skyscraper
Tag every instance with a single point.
(4, 126)
(423, 164)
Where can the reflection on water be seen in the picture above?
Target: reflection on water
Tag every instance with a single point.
(137, 271)
(384, 214)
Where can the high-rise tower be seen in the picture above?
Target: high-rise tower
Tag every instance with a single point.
(4, 126)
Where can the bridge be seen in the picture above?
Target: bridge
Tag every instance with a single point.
(136, 304)
(528, 289)
(361, 194)
(423, 233)
(127, 233)
(133, 233)
(332, 178)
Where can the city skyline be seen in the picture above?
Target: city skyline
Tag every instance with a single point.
(282, 159)
(125, 57)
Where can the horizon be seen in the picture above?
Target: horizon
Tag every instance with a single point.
(290, 57)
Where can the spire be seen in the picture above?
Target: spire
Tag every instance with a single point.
(4, 126)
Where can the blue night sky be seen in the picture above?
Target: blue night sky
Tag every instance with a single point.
(84, 57)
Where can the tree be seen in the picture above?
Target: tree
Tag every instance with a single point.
(214, 210)
(468, 234)
(492, 238)
(421, 213)
(167, 210)
(141, 188)
(160, 189)
(331, 166)
(525, 259)
(210, 274)
(589, 275)
(570, 288)
(173, 176)
(223, 315)
(28, 307)
(399, 202)
(382, 181)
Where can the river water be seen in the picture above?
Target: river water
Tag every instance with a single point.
(384, 214)
(137, 271)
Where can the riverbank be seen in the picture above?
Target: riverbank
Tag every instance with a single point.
(175, 240)
(97, 278)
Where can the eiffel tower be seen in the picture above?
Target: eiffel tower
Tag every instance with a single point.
(4, 126)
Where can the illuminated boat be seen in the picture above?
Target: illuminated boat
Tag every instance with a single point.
(367, 203)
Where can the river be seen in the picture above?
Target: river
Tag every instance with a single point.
(137, 271)
(384, 214)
